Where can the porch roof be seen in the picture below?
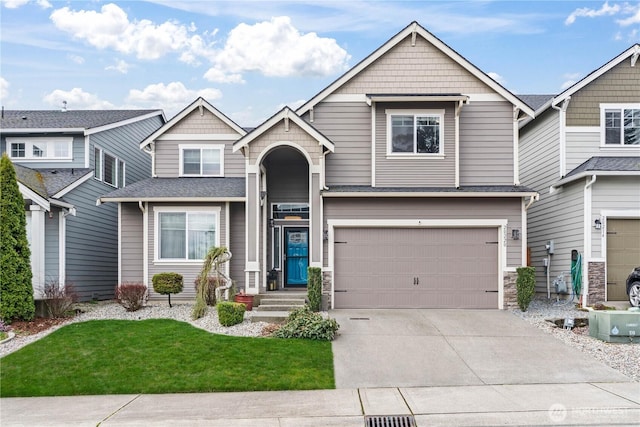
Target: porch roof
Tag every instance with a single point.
(603, 166)
(465, 191)
(180, 190)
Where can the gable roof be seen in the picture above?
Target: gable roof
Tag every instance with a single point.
(536, 101)
(285, 114)
(200, 102)
(411, 30)
(81, 121)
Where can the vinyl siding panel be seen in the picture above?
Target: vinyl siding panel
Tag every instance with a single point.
(131, 242)
(539, 153)
(621, 84)
(168, 158)
(612, 193)
(418, 171)
(431, 208)
(348, 126)
(581, 146)
(486, 144)
(414, 69)
(237, 243)
(52, 247)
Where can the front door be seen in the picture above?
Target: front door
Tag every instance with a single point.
(296, 256)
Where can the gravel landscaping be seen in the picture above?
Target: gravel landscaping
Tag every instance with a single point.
(622, 357)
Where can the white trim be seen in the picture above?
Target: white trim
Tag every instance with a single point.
(264, 208)
(73, 186)
(428, 194)
(123, 122)
(582, 129)
(523, 232)
(171, 199)
(346, 97)
(41, 130)
(499, 224)
(49, 141)
(414, 27)
(28, 193)
(373, 145)
(516, 152)
(201, 147)
(584, 174)
(362, 97)
(273, 249)
(416, 98)
(38, 250)
(182, 209)
(485, 97)
(265, 151)
(87, 151)
(227, 222)
(607, 214)
(456, 143)
(62, 248)
(145, 242)
(586, 235)
(620, 107)
(199, 137)
(119, 244)
(439, 113)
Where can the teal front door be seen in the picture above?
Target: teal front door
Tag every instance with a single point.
(296, 256)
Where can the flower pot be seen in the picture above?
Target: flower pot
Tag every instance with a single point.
(245, 299)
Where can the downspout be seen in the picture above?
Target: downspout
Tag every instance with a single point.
(525, 230)
(587, 239)
(151, 150)
(562, 137)
(457, 142)
(145, 244)
(516, 148)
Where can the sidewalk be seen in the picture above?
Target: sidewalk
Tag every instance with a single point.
(479, 405)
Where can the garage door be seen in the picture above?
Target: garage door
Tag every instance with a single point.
(623, 255)
(416, 267)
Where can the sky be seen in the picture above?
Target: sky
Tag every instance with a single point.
(251, 58)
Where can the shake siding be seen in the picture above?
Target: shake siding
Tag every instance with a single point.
(92, 242)
(431, 208)
(415, 171)
(612, 193)
(237, 244)
(51, 247)
(414, 69)
(189, 270)
(278, 134)
(621, 84)
(196, 123)
(486, 144)
(131, 234)
(168, 158)
(348, 126)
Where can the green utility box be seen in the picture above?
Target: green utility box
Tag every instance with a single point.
(615, 326)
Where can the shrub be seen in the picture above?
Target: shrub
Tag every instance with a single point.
(525, 286)
(210, 291)
(230, 313)
(304, 323)
(58, 298)
(314, 288)
(167, 284)
(16, 290)
(131, 296)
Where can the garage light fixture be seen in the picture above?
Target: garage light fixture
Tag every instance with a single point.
(597, 224)
(515, 234)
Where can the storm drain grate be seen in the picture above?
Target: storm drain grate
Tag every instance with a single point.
(389, 421)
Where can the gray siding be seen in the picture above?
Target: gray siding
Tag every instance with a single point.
(237, 243)
(51, 246)
(432, 208)
(131, 243)
(581, 146)
(419, 171)
(486, 144)
(348, 126)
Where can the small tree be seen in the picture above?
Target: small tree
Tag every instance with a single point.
(167, 284)
(525, 286)
(215, 257)
(314, 288)
(16, 289)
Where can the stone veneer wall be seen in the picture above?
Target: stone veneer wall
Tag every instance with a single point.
(510, 291)
(326, 290)
(597, 282)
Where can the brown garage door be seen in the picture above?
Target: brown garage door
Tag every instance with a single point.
(416, 268)
(623, 255)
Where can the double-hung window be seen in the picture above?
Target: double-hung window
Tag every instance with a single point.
(621, 124)
(415, 132)
(201, 160)
(185, 235)
(40, 148)
(108, 169)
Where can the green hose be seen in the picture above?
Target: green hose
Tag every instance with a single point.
(576, 275)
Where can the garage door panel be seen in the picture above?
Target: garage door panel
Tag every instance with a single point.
(623, 254)
(454, 268)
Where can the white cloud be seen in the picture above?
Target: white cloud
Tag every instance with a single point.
(169, 97)
(120, 66)
(276, 48)
(111, 29)
(77, 99)
(592, 13)
(294, 105)
(218, 76)
(4, 88)
(14, 4)
(497, 77)
(76, 58)
(570, 80)
(633, 19)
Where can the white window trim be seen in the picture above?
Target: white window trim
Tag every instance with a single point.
(431, 112)
(117, 168)
(273, 251)
(182, 147)
(180, 209)
(29, 141)
(620, 107)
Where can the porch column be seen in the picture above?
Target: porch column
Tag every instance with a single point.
(37, 250)
(252, 269)
(315, 218)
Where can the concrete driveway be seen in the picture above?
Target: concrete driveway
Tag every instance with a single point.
(422, 348)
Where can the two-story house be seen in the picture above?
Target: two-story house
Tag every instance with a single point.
(64, 160)
(400, 180)
(582, 155)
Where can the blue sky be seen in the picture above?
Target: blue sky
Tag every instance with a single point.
(250, 58)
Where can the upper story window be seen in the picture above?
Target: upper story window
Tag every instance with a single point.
(621, 124)
(415, 132)
(108, 169)
(201, 160)
(40, 149)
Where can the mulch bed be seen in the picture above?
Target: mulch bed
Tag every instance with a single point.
(38, 324)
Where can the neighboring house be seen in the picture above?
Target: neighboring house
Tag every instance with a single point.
(400, 180)
(582, 155)
(64, 160)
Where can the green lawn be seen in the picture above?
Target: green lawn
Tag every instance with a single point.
(161, 356)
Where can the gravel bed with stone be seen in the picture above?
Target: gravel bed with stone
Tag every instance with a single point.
(621, 357)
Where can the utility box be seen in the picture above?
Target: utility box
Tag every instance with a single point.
(615, 326)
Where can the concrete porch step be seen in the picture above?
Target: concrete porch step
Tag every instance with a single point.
(275, 307)
(282, 301)
(269, 316)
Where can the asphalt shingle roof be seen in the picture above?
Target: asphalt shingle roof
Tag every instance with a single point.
(181, 188)
(535, 101)
(608, 164)
(47, 182)
(465, 189)
(70, 119)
